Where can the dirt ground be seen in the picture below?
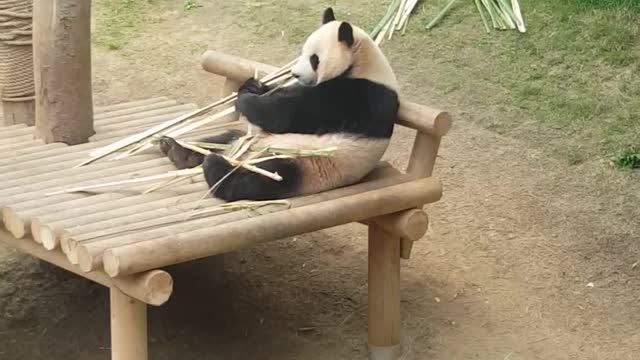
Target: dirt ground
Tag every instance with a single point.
(525, 259)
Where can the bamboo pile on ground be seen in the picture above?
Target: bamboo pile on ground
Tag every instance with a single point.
(504, 14)
(395, 19)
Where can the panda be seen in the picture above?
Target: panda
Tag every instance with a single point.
(345, 96)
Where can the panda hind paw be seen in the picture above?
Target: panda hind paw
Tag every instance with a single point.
(181, 157)
(166, 144)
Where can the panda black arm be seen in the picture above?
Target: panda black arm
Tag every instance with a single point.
(274, 112)
(341, 105)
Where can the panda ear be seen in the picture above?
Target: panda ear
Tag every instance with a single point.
(328, 16)
(345, 34)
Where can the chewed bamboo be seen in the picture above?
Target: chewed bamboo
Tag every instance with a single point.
(170, 127)
(100, 153)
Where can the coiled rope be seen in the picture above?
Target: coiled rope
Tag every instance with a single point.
(16, 53)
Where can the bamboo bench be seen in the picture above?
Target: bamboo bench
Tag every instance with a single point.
(122, 238)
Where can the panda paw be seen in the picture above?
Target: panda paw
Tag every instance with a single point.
(253, 86)
(182, 158)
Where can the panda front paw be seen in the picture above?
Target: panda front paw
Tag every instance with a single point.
(243, 103)
(253, 86)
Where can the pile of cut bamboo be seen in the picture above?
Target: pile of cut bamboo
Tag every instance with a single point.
(504, 14)
(396, 19)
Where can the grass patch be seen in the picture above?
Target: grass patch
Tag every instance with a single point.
(118, 21)
(570, 84)
(633, 5)
(628, 159)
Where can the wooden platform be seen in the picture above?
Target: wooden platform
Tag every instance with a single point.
(121, 237)
(122, 231)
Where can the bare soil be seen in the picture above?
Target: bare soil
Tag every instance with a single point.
(526, 258)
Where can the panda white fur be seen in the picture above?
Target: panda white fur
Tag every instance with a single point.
(346, 97)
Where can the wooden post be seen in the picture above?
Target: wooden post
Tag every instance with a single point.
(62, 59)
(384, 295)
(128, 327)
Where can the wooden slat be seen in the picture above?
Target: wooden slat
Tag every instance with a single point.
(16, 139)
(114, 173)
(135, 109)
(47, 182)
(146, 114)
(206, 241)
(146, 121)
(159, 226)
(5, 149)
(49, 227)
(15, 130)
(130, 104)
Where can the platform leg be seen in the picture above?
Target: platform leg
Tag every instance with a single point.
(128, 327)
(384, 295)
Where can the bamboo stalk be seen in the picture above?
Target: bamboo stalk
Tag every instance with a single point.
(492, 15)
(252, 168)
(433, 22)
(396, 19)
(100, 153)
(484, 20)
(145, 146)
(136, 138)
(411, 4)
(518, 14)
(507, 13)
(385, 19)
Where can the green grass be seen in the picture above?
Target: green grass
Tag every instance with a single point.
(118, 21)
(633, 5)
(627, 159)
(571, 84)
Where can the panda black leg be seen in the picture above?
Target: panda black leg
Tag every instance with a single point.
(243, 184)
(184, 158)
(225, 137)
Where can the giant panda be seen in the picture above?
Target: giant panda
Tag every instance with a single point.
(346, 97)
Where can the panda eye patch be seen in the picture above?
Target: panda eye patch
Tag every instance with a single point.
(315, 61)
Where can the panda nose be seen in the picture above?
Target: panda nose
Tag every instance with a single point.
(295, 75)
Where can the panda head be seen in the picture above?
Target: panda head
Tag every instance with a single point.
(338, 48)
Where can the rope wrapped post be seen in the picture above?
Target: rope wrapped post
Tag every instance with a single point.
(62, 58)
(16, 63)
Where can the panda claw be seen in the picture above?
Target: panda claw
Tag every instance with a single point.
(166, 144)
